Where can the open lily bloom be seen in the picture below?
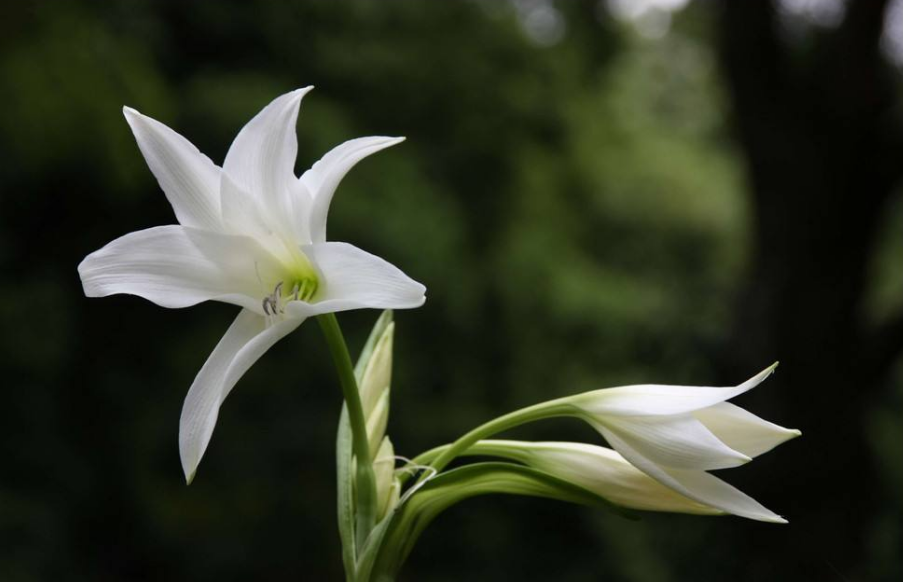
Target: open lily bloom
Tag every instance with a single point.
(252, 234)
(675, 434)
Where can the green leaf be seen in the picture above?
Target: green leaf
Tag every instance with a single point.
(451, 487)
(345, 493)
(372, 548)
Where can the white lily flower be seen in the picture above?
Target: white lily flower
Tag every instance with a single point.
(597, 469)
(252, 234)
(675, 434)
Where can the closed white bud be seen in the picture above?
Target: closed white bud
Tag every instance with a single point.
(377, 375)
(387, 487)
(377, 421)
(600, 470)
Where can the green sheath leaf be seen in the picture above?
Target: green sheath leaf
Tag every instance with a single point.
(451, 487)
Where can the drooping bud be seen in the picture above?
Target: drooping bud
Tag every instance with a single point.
(597, 469)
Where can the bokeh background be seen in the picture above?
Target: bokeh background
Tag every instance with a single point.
(594, 193)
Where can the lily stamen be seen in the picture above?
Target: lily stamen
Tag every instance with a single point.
(268, 307)
(270, 303)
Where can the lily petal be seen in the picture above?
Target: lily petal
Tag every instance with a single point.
(697, 485)
(261, 160)
(298, 211)
(353, 279)
(241, 212)
(324, 176)
(247, 339)
(679, 442)
(719, 494)
(177, 266)
(742, 430)
(657, 399)
(187, 177)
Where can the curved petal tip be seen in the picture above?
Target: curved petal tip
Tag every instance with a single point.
(764, 373)
(299, 93)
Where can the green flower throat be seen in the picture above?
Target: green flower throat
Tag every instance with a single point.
(299, 283)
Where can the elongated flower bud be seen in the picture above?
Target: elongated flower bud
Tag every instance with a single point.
(598, 469)
(377, 374)
(375, 379)
(377, 421)
(387, 487)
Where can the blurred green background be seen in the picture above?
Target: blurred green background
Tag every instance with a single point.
(594, 193)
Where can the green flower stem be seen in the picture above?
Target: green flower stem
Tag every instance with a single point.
(482, 448)
(440, 457)
(365, 478)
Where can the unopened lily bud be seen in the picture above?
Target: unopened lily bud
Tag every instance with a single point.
(377, 375)
(387, 487)
(598, 469)
(377, 421)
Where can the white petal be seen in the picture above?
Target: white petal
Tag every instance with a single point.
(698, 485)
(742, 430)
(176, 266)
(354, 279)
(298, 211)
(187, 177)
(261, 160)
(241, 212)
(247, 339)
(658, 399)
(715, 492)
(324, 176)
(680, 442)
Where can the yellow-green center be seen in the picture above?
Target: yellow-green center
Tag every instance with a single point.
(295, 280)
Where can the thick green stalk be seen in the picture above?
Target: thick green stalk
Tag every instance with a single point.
(365, 478)
(439, 458)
